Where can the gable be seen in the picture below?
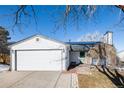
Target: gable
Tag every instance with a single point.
(37, 42)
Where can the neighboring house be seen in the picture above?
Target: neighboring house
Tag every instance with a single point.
(120, 60)
(42, 53)
(121, 56)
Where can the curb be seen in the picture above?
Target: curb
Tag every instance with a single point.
(74, 81)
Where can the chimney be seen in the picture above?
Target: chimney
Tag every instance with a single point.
(108, 37)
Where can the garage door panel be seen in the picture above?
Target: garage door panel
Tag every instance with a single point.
(39, 60)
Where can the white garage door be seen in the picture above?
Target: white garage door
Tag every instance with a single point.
(39, 60)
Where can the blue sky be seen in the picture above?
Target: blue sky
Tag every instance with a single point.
(105, 20)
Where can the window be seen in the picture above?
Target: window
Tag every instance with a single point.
(94, 61)
(103, 62)
(82, 54)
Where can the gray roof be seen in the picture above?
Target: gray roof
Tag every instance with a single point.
(83, 43)
(79, 48)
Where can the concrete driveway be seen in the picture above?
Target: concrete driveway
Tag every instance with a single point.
(35, 79)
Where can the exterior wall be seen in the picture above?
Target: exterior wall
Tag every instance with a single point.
(67, 60)
(108, 38)
(106, 51)
(12, 60)
(88, 60)
(41, 44)
(32, 44)
(74, 57)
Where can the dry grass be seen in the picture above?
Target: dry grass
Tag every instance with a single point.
(94, 80)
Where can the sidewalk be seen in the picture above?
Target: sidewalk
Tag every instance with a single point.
(67, 80)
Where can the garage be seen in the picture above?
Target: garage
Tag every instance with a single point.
(39, 53)
(49, 60)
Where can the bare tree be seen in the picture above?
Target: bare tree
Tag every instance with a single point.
(96, 36)
(72, 13)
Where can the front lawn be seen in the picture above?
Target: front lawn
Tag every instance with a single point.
(101, 79)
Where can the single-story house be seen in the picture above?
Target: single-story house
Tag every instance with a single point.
(39, 52)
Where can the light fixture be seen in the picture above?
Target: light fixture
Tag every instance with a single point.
(37, 39)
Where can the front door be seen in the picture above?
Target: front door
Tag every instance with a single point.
(82, 56)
